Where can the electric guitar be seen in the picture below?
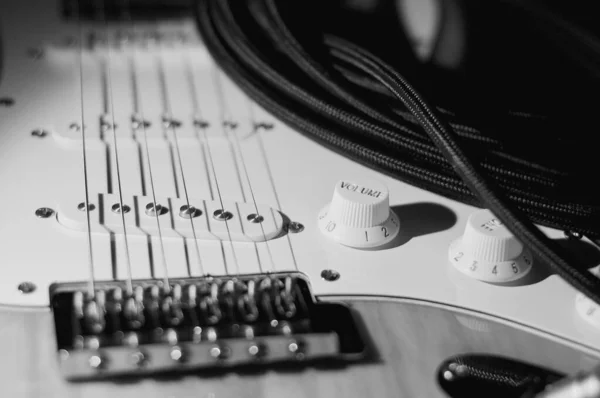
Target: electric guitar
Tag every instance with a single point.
(163, 236)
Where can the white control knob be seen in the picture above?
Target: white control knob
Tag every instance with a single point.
(359, 214)
(488, 251)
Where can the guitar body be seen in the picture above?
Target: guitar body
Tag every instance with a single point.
(128, 114)
(411, 340)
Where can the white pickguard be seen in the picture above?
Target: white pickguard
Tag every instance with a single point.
(41, 172)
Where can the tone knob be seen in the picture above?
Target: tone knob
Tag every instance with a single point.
(488, 251)
(359, 214)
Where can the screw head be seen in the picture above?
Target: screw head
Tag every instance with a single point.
(96, 362)
(40, 133)
(257, 350)
(27, 287)
(295, 227)
(220, 352)
(139, 359)
(297, 348)
(255, 218)
(177, 354)
(44, 212)
(574, 235)
(330, 275)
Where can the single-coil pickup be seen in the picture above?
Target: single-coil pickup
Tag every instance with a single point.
(173, 217)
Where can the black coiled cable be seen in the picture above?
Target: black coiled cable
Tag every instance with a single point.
(348, 99)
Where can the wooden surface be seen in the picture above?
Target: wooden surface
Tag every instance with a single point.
(410, 340)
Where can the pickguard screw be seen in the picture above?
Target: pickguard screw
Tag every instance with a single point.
(255, 218)
(574, 235)
(39, 133)
(74, 127)
(81, 206)
(6, 101)
(295, 227)
(26, 287)
(330, 275)
(44, 212)
(222, 215)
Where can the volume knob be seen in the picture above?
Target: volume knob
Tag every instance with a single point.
(359, 214)
(488, 251)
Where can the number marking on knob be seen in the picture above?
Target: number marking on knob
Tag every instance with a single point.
(359, 215)
(489, 252)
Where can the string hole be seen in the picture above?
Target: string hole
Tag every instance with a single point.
(81, 207)
(330, 275)
(255, 218)
(116, 208)
(222, 215)
(188, 212)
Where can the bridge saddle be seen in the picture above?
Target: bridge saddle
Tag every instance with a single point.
(197, 323)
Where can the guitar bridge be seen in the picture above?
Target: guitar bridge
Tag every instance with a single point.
(193, 323)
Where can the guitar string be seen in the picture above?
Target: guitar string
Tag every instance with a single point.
(91, 282)
(263, 151)
(168, 110)
(198, 125)
(235, 258)
(113, 128)
(218, 189)
(236, 142)
(139, 110)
